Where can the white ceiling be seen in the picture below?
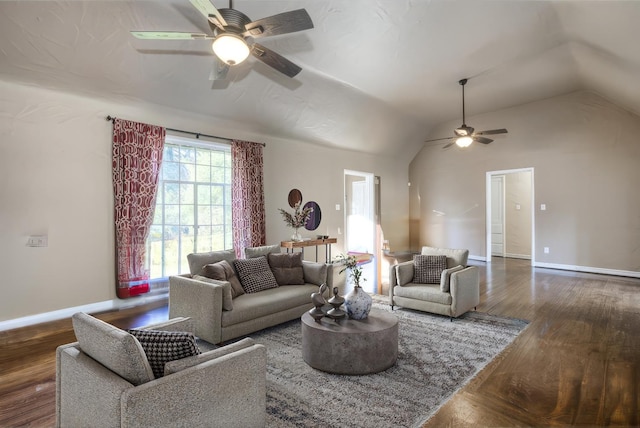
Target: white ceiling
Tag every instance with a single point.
(376, 74)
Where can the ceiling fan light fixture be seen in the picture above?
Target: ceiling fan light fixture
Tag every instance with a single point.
(464, 141)
(231, 49)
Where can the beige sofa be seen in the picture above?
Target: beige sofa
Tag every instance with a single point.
(217, 318)
(457, 292)
(106, 380)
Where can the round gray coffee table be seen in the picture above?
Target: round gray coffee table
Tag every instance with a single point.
(352, 347)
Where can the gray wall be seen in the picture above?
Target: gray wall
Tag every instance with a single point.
(586, 158)
(55, 179)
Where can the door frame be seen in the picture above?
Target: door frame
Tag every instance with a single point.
(503, 180)
(489, 174)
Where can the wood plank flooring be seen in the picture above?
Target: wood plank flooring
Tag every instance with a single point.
(577, 363)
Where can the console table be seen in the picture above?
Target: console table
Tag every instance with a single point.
(291, 245)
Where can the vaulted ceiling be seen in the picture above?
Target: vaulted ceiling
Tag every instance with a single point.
(376, 74)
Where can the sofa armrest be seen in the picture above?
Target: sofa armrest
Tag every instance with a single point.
(200, 301)
(465, 289)
(229, 391)
(184, 363)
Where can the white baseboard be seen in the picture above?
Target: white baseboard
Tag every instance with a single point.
(589, 269)
(89, 308)
(517, 256)
(479, 258)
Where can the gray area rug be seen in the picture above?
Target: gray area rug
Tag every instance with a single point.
(436, 357)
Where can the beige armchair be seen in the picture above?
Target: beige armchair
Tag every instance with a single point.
(105, 380)
(457, 292)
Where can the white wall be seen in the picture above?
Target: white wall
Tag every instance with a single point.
(55, 179)
(517, 211)
(586, 157)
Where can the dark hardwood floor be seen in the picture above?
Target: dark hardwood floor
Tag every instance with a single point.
(577, 363)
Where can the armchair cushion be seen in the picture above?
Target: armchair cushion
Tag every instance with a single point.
(161, 347)
(255, 274)
(227, 293)
(428, 269)
(223, 271)
(445, 279)
(404, 272)
(287, 268)
(112, 347)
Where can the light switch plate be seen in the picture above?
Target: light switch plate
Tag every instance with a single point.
(38, 241)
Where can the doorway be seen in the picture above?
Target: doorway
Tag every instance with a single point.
(360, 223)
(510, 217)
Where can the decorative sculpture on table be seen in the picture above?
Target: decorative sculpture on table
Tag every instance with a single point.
(318, 301)
(336, 301)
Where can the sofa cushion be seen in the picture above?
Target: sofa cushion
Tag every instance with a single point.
(223, 271)
(445, 279)
(249, 307)
(252, 252)
(454, 257)
(227, 294)
(198, 260)
(428, 269)
(161, 347)
(287, 268)
(255, 274)
(112, 347)
(424, 292)
(314, 273)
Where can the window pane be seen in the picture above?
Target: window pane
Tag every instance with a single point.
(217, 174)
(171, 193)
(203, 156)
(217, 195)
(204, 194)
(203, 239)
(157, 215)
(171, 154)
(217, 215)
(218, 237)
(187, 155)
(204, 215)
(172, 214)
(203, 174)
(170, 171)
(187, 172)
(187, 219)
(217, 158)
(186, 193)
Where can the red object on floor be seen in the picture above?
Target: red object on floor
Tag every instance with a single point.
(133, 290)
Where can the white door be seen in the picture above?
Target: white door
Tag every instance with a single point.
(497, 215)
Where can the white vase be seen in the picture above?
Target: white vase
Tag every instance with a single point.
(357, 303)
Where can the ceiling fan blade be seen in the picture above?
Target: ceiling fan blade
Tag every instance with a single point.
(169, 35)
(275, 60)
(439, 139)
(283, 23)
(492, 132)
(482, 140)
(446, 146)
(207, 8)
(219, 70)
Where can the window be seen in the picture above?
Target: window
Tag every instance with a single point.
(193, 205)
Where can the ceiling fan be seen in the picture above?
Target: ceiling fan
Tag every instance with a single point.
(233, 35)
(465, 135)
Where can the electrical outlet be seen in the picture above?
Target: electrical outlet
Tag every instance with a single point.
(546, 250)
(38, 241)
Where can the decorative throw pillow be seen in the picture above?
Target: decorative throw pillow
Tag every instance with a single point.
(222, 271)
(251, 252)
(255, 274)
(161, 347)
(428, 269)
(227, 293)
(287, 268)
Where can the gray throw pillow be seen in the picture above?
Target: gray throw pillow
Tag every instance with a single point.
(255, 274)
(428, 269)
(161, 347)
(287, 268)
(251, 252)
(222, 271)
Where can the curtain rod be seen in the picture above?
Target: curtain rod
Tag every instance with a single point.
(197, 134)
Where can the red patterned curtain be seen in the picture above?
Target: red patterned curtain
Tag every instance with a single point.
(247, 196)
(137, 156)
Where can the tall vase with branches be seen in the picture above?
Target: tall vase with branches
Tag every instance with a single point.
(296, 220)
